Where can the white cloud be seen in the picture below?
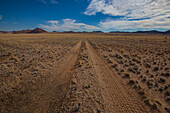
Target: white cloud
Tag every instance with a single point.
(0, 17)
(53, 2)
(49, 1)
(68, 24)
(129, 8)
(135, 13)
(161, 22)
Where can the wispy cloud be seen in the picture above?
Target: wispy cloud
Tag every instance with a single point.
(135, 13)
(49, 1)
(53, 2)
(68, 24)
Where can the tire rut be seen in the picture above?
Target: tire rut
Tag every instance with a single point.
(46, 95)
(116, 97)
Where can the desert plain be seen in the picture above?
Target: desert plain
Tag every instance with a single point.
(84, 73)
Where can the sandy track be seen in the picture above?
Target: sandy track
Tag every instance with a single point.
(117, 98)
(45, 95)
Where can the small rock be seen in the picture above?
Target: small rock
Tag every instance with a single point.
(86, 86)
(167, 93)
(147, 102)
(156, 69)
(114, 66)
(131, 82)
(75, 88)
(161, 80)
(73, 81)
(143, 80)
(167, 109)
(126, 75)
(167, 99)
(154, 107)
(76, 108)
(160, 89)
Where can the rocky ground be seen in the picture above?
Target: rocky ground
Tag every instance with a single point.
(142, 63)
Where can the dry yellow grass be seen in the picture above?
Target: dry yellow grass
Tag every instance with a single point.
(124, 36)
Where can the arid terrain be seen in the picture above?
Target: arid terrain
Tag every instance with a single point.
(84, 73)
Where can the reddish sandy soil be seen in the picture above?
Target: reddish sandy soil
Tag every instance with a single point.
(101, 73)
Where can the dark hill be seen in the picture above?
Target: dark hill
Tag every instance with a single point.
(3, 32)
(167, 32)
(38, 30)
(23, 31)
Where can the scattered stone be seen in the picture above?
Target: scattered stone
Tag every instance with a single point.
(150, 84)
(162, 80)
(166, 69)
(75, 88)
(160, 89)
(167, 109)
(156, 69)
(86, 86)
(167, 93)
(114, 66)
(143, 80)
(147, 102)
(167, 99)
(131, 82)
(73, 81)
(126, 75)
(116, 69)
(76, 108)
(154, 107)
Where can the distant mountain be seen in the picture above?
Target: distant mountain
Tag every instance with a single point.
(23, 31)
(98, 32)
(118, 32)
(3, 32)
(149, 32)
(152, 32)
(69, 32)
(167, 32)
(36, 30)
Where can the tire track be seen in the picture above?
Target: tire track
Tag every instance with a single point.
(116, 97)
(84, 95)
(46, 95)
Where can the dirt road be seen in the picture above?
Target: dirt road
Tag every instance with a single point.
(99, 89)
(82, 81)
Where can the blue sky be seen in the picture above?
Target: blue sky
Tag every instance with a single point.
(85, 15)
